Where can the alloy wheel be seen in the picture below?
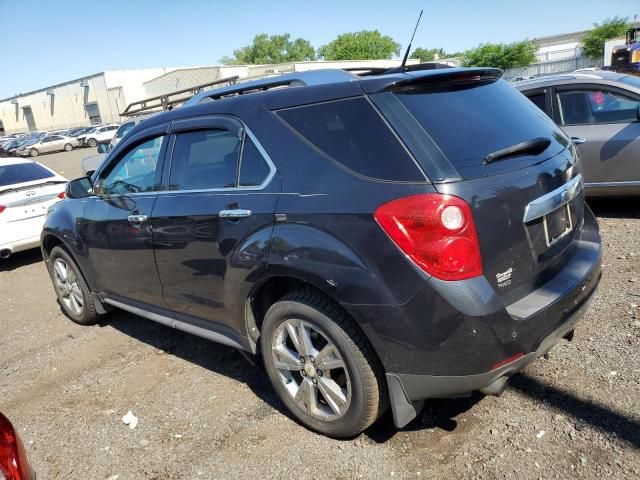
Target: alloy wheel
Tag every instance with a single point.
(67, 284)
(311, 370)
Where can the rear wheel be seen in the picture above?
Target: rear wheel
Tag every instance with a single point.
(321, 365)
(92, 142)
(33, 152)
(72, 291)
(68, 147)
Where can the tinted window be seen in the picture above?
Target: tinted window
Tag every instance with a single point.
(205, 159)
(579, 107)
(22, 172)
(539, 100)
(353, 134)
(253, 167)
(124, 129)
(631, 80)
(135, 171)
(471, 120)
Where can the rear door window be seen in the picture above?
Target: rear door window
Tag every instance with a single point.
(353, 134)
(471, 120)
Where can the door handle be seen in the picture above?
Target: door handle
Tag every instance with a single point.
(578, 140)
(137, 220)
(235, 213)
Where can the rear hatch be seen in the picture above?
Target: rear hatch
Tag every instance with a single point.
(527, 201)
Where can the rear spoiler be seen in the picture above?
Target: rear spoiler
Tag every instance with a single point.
(437, 78)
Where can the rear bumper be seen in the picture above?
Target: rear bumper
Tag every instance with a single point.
(20, 245)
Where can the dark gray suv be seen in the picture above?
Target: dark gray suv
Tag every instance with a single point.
(377, 239)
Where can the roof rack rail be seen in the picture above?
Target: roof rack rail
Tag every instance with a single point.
(169, 100)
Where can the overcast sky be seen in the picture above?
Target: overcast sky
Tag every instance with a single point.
(46, 42)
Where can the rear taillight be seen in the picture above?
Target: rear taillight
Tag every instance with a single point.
(14, 464)
(61, 195)
(2, 208)
(436, 232)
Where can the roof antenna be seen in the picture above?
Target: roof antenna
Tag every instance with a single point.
(406, 54)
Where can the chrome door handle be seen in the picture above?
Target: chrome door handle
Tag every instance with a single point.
(578, 140)
(235, 213)
(137, 220)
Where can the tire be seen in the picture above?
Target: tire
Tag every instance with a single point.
(33, 152)
(92, 142)
(70, 287)
(308, 391)
(68, 147)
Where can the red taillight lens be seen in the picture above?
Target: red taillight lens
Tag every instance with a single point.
(61, 195)
(14, 464)
(436, 232)
(2, 208)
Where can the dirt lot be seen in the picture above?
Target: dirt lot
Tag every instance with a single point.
(204, 412)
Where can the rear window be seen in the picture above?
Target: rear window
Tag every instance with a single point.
(468, 122)
(353, 134)
(22, 172)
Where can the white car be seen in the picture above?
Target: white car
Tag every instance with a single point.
(101, 134)
(27, 190)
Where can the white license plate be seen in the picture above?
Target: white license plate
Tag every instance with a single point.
(557, 224)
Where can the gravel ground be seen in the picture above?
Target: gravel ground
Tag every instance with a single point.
(204, 412)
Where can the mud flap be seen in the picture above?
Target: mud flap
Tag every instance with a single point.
(404, 410)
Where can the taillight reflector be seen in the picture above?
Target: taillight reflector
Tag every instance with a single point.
(61, 195)
(436, 232)
(2, 208)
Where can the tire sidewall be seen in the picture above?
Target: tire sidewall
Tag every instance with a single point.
(86, 317)
(33, 152)
(92, 142)
(284, 310)
(68, 147)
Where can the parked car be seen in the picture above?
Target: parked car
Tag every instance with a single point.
(83, 135)
(100, 134)
(27, 190)
(48, 144)
(600, 111)
(14, 461)
(378, 240)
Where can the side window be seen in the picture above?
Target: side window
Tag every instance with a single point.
(45, 140)
(353, 134)
(135, 171)
(204, 159)
(253, 167)
(579, 107)
(539, 100)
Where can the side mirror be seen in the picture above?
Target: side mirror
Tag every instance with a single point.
(80, 188)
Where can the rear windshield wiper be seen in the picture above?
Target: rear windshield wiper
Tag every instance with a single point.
(535, 146)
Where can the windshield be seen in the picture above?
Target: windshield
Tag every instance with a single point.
(124, 128)
(22, 172)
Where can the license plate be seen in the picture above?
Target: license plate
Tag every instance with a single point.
(557, 224)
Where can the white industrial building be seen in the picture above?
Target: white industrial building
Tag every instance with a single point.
(93, 99)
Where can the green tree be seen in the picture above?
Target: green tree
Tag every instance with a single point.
(501, 55)
(593, 41)
(272, 49)
(428, 54)
(364, 45)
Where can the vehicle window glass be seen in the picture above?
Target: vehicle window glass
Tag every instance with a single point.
(135, 171)
(253, 167)
(468, 121)
(579, 107)
(352, 133)
(538, 100)
(113, 127)
(22, 172)
(122, 131)
(204, 159)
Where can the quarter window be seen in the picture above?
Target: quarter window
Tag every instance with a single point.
(253, 167)
(204, 159)
(136, 170)
(539, 100)
(580, 107)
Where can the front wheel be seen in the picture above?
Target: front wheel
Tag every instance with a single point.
(72, 291)
(68, 147)
(321, 365)
(92, 142)
(33, 152)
